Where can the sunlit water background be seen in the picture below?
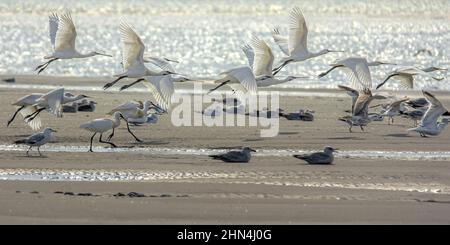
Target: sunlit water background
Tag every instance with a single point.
(207, 36)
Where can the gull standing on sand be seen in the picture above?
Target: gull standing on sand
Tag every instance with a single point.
(37, 139)
(260, 58)
(429, 124)
(394, 109)
(243, 155)
(325, 157)
(405, 75)
(133, 61)
(62, 36)
(295, 47)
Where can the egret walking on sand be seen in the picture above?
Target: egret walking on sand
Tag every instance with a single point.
(103, 125)
(405, 75)
(260, 58)
(429, 124)
(62, 36)
(37, 139)
(295, 47)
(133, 57)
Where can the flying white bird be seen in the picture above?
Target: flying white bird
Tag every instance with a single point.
(394, 109)
(37, 139)
(356, 69)
(62, 36)
(161, 87)
(429, 124)
(405, 75)
(239, 79)
(260, 58)
(133, 61)
(295, 47)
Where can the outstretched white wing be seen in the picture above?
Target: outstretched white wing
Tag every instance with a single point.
(127, 106)
(435, 110)
(65, 32)
(263, 57)
(298, 32)
(54, 100)
(281, 41)
(245, 77)
(161, 63)
(250, 54)
(162, 89)
(132, 46)
(34, 124)
(53, 28)
(357, 71)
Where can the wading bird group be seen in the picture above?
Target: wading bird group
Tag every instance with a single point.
(260, 72)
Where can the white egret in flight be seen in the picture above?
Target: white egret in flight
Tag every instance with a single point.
(62, 36)
(133, 61)
(295, 47)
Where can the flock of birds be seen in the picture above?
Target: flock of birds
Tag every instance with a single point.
(246, 79)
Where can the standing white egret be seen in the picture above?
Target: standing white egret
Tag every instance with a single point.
(101, 126)
(429, 124)
(260, 58)
(133, 111)
(240, 78)
(295, 47)
(405, 75)
(62, 36)
(37, 139)
(133, 57)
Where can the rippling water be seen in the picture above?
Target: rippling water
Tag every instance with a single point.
(206, 36)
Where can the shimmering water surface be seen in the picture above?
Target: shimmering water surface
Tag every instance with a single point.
(206, 36)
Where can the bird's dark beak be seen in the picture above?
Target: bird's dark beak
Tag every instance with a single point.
(447, 113)
(108, 55)
(336, 51)
(121, 116)
(387, 63)
(335, 150)
(54, 130)
(158, 107)
(252, 150)
(85, 96)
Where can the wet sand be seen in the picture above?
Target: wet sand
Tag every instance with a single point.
(269, 189)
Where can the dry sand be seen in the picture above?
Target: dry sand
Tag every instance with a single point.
(269, 189)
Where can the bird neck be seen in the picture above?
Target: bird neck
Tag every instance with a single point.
(90, 54)
(321, 52)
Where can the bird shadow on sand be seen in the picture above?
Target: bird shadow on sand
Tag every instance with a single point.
(151, 142)
(346, 138)
(399, 135)
(250, 140)
(32, 156)
(288, 133)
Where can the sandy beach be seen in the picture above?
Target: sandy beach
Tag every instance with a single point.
(168, 179)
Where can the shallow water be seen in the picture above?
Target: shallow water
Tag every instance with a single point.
(206, 36)
(356, 154)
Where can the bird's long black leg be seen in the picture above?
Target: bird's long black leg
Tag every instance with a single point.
(28, 151)
(220, 85)
(14, 116)
(92, 138)
(107, 142)
(108, 85)
(39, 152)
(128, 128)
(362, 128)
(31, 117)
(110, 136)
(42, 68)
(329, 70)
(131, 84)
(278, 69)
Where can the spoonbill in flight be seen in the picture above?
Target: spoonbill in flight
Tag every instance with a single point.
(62, 36)
(405, 75)
(133, 61)
(295, 47)
(260, 58)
